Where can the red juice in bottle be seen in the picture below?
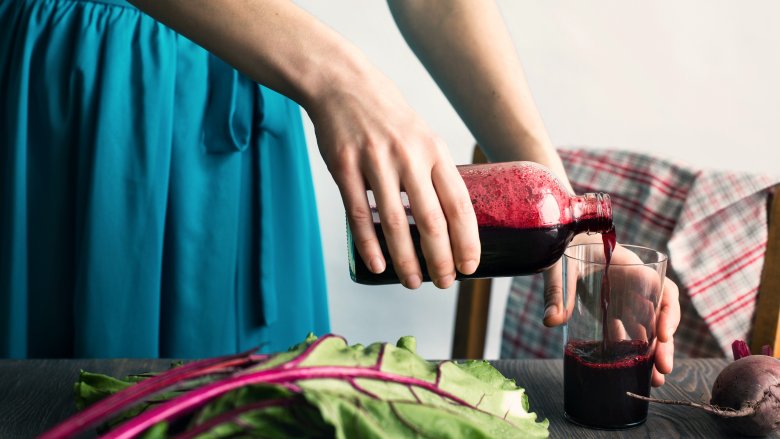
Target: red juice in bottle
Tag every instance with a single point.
(526, 218)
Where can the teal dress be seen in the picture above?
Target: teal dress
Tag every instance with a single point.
(153, 201)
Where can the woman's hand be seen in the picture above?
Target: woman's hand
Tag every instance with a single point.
(371, 139)
(667, 318)
(367, 134)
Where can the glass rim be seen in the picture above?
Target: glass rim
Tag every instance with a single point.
(662, 257)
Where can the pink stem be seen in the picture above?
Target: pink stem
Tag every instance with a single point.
(740, 349)
(111, 405)
(200, 396)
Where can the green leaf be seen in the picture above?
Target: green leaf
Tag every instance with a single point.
(382, 408)
(93, 387)
(323, 387)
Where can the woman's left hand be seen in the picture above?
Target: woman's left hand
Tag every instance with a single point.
(668, 314)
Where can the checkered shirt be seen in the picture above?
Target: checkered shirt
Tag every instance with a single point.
(712, 224)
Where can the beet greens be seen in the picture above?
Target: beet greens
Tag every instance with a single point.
(321, 387)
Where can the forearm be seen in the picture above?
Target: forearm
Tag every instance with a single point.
(466, 48)
(271, 41)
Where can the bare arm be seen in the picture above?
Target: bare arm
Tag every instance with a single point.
(367, 134)
(272, 41)
(466, 48)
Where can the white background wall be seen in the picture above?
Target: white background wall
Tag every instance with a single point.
(693, 80)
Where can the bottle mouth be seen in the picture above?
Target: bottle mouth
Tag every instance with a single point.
(602, 220)
(604, 203)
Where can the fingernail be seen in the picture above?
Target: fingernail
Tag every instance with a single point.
(412, 281)
(550, 311)
(468, 267)
(445, 281)
(377, 265)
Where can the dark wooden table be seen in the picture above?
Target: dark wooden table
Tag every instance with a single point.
(36, 394)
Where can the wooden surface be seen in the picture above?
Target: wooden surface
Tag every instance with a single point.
(691, 379)
(36, 394)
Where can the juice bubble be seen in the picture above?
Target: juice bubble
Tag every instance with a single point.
(518, 195)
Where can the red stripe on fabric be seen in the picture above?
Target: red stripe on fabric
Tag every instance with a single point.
(643, 214)
(724, 273)
(745, 302)
(725, 307)
(748, 253)
(634, 207)
(648, 178)
(604, 164)
(584, 187)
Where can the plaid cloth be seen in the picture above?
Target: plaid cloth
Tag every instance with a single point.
(711, 224)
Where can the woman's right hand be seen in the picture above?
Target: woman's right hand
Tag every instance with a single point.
(367, 134)
(371, 139)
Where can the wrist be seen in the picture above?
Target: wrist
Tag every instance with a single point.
(337, 69)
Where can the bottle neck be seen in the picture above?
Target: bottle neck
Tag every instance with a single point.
(592, 213)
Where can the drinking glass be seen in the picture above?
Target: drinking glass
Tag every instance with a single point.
(609, 339)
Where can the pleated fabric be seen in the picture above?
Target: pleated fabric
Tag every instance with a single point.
(153, 201)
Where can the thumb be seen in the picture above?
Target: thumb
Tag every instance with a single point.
(554, 313)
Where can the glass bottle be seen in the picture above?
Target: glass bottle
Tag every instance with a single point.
(526, 219)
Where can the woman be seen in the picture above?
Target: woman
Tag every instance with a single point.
(206, 200)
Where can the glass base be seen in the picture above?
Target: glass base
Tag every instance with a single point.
(604, 427)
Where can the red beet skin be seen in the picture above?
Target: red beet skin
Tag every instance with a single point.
(752, 380)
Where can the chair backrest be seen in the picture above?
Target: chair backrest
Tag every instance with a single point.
(472, 313)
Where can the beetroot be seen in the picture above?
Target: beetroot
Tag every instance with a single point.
(745, 395)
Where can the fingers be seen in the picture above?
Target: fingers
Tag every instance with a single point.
(664, 356)
(554, 313)
(638, 316)
(395, 226)
(664, 361)
(418, 163)
(658, 379)
(669, 312)
(433, 228)
(461, 220)
(368, 129)
(617, 330)
(668, 319)
(445, 218)
(361, 224)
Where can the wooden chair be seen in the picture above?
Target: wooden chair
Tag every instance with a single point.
(471, 317)
(766, 326)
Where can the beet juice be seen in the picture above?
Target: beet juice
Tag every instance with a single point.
(526, 219)
(598, 373)
(609, 240)
(595, 382)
